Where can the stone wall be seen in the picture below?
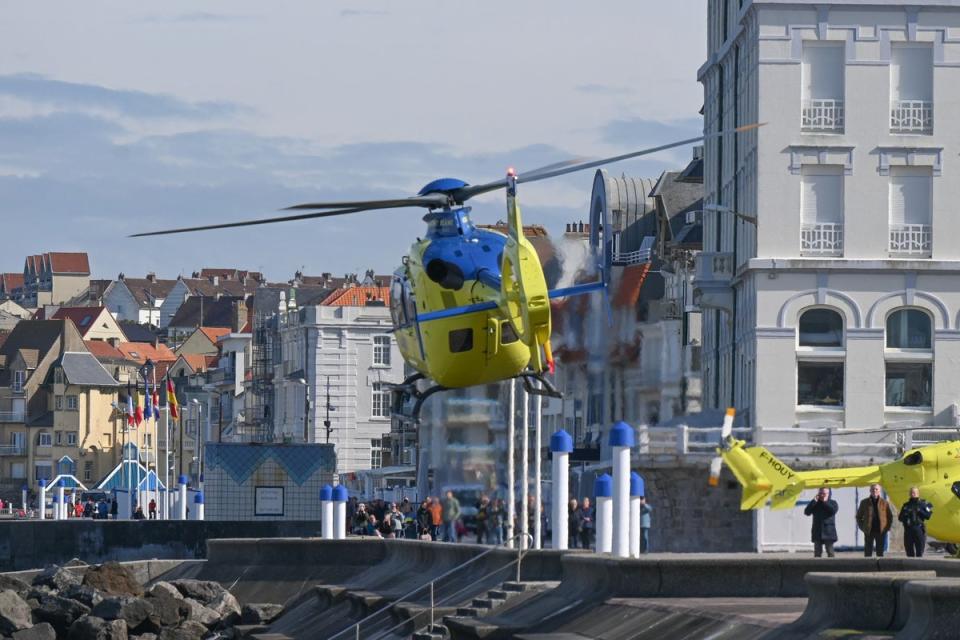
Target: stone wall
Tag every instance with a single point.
(35, 544)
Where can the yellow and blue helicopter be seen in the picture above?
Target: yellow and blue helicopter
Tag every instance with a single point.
(471, 305)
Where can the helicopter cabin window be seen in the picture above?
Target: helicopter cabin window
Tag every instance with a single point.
(508, 334)
(461, 340)
(396, 304)
(820, 359)
(909, 359)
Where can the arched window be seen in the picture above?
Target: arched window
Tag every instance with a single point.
(909, 329)
(909, 359)
(821, 328)
(820, 358)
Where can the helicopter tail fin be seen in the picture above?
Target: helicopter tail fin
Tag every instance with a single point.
(761, 475)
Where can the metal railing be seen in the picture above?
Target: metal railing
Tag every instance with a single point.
(822, 239)
(911, 116)
(521, 551)
(12, 416)
(13, 450)
(632, 257)
(822, 115)
(911, 239)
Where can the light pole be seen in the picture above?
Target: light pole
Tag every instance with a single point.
(198, 439)
(123, 449)
(306, 410)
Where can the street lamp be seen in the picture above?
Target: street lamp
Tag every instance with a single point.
(306, 409)
(123, 447)
(199, 440)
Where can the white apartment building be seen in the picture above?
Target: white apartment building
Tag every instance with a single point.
(344, 350)
(840, 303)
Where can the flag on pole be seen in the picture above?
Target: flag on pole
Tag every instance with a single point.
(129, 406)
(138, 409)
(155, 401)
(147, 402)
(172, 400)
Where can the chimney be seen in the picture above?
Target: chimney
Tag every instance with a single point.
(113, 342)
(215, 280)
(581, 227)
(152, 277)
(239, 316)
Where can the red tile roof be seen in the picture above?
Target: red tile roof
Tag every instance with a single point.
(631, 281)
(140, 351)
(104, 350)
(357, 297)
(83, 317)
(10, 281)
(213, 333)
(77, 263)
(199, 362)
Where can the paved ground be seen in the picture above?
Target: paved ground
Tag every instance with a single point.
(768, 612)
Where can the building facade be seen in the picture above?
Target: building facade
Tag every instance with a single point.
(828, 274)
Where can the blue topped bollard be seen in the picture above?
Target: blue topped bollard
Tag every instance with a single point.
(561, 445)
(326, 512)
(340, 496)
(603, 489)
(621, 441)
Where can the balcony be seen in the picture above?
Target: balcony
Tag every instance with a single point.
(711, 281)
(822, 116)
(821, 239)
(12, 416)
(911, 116)
(13, 449)
(913, 240)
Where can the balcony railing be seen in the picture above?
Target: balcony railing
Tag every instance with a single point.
(822, 239)
(822, 115)
(13, 450)
(911, 240)
(632, 257)
(911, 116)
(11, 416)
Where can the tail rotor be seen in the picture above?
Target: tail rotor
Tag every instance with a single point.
(725, 432)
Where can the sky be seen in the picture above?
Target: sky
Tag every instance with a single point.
(120, 117)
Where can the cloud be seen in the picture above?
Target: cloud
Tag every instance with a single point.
(88, 184)
(196, 17)
(354, 13)
(636, 132)
(604, 89)
(47, 93)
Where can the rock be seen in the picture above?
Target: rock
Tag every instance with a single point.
(39, 593)
(94, 628)
(60, 612)
(225, 606)
(165, 588)
(84, 594)
(144, 636)
(137, 613)
(74, 562)
(259, 613)
(203, 591)
(42, 631)
(57, 578)
(14, 613)
(199, 613)
(170, 611)
(189, 630)
(14, 584)
(112, 578)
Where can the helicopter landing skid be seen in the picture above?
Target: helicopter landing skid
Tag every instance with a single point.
(546, 387)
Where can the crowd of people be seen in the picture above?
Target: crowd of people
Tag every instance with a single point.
(874, 518)
(442, 520)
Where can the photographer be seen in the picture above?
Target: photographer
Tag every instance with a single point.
(914, 514)
(823, 532)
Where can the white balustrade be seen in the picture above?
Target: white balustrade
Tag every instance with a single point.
(911, 239)
(822, 239)
(911, 116)
(822, 115)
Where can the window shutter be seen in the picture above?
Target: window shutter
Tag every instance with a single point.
(910, 195)
(821, 198)
(911, 72)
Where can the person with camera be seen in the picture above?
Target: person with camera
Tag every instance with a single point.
(914, 514)
(823, 532)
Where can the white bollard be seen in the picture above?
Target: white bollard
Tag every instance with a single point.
(340, 512)
(61, 503)
(42, 503)
(326, 512)
(636, 491)
(55, 505)
(198, 506)
(621, 440)
(561, 444)
(23, 497)
(183, 497)
(603, 488)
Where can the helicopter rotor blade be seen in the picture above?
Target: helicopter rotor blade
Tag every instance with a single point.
(564, 168)
(250, 223)
(430, 200)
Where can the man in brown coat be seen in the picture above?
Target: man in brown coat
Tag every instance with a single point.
(874, 518)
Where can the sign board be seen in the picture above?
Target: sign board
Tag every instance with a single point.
(268, 501)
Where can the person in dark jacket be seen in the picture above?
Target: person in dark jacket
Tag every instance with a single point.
(574, 524)
(587, 523)
(914, 515)
(874, 518)
(823, 532)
